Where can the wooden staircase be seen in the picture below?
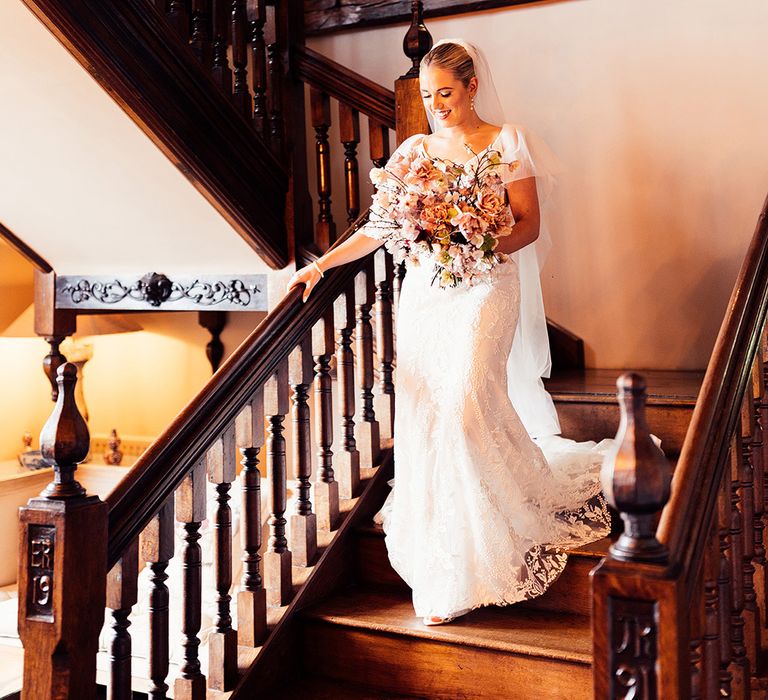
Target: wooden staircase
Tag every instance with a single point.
(364, 640)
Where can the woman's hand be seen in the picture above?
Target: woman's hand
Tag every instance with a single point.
(307, 275)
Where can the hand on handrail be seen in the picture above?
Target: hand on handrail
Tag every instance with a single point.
(308, 275)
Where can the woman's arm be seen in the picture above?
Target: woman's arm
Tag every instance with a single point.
(524, 203)
(356, 246)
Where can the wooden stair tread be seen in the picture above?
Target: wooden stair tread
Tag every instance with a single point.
(513, 629)
(319, 688)
(599, 385)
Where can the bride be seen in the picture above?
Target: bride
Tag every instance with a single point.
(488, 495)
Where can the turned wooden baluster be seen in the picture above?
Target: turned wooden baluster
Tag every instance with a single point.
(758, 465)
(697, 612)
(303, 522)
(349, 133)
(320, 107)
(739, 661)
(257, 15)
(52, 361)
(122, 595)
(378, 143)
(240, 92)
(711, 632)
(347, 462)
(326, 486)
(62, 563)
(367, 429)
(724, 585)
(277, 558)
(190, 510)
(275, 66)
(629, 646)
(746, 477)
(385, 342)
(200, 41)
(222, 75)
(397, 283)
(178, 17)
(156, 548)
(221, 465)
(252, 598)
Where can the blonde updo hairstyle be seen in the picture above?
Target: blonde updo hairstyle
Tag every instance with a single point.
(450, 57)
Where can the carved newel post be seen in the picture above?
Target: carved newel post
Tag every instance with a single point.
(410, 117)
(62, 563)
(636, 478)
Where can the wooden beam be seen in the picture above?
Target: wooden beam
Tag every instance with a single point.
(320, 19)
(37, 260)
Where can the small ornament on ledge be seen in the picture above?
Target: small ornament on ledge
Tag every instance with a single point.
(113, 456)
(29, 458)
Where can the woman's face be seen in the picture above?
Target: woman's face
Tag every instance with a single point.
(445, 96)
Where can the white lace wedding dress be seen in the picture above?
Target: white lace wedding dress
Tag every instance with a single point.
(480, 513)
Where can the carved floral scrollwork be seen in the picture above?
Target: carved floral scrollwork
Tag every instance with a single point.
(633, 645)
(157, 289)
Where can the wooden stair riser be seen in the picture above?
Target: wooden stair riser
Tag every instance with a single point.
(435, 669)
(569, 593)
(585, 420)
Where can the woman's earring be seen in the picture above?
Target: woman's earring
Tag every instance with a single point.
(472, 103)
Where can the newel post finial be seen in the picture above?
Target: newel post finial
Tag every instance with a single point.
(636, 476)
(64, 439)
(417, 40)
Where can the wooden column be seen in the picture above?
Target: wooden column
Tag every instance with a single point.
(61, 583)
(252, 598)
(349, 131)
(277, 559)
(239, 32)
(325, 229)
(257, 15)
(711, 632)
(724, 586)
(385, 342)
(367, 429)
(221, 465)
(156, 549)
(122, 595)
(641, 636)
(326, 487)
(200, 41)
(303, 521)
(347, 462)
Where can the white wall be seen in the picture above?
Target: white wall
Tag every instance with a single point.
(658, 111)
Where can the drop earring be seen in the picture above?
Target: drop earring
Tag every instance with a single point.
(472, 103)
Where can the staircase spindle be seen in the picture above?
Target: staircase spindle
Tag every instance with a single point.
(385, 341)
(303, 522)
(122, 595)
(347, 461)
(326, 486)
(320, 107)
(758, 466)
(252, 598)
(240, 92)
(257, 15)
(696, 621)
(711, 633)
(277, 559)
(200, 41)
(724, 586)
(378, 143)
(349, 132)
(398, 283)
(178, 17)
(222, 75)
(739, 661)
(221, 465)
(746, 489)
(275, 66)
(156, 547)
(190, 511)
(52, 361)
(367, 428)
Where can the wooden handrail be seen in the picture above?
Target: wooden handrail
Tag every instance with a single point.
(345, 85)
(686, 520)
(161, 469)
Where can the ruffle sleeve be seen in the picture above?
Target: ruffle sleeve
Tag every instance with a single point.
(515, 148)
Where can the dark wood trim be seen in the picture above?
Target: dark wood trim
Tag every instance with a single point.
(345, 85)
(157, 80)
(160, 470)
(32, 256)
(686, 521)
(320, 19)
(566, 348)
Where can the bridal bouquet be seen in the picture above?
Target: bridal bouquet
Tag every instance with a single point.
(452, 214)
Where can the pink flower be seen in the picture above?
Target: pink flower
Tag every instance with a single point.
(469, 223)
(488, 203)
